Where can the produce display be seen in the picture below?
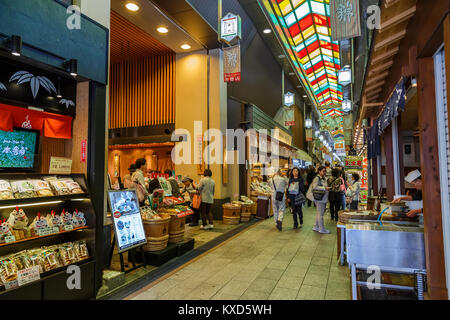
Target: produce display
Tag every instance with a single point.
(47, 258)
(17, 224)
(261, 187)
(148, 214)
(31, 188)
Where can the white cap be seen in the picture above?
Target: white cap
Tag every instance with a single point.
(413, 175)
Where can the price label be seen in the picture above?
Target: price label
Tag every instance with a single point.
(28, 275)
(11, 284)
(44, 232)
(9, 239)
(55, 230)
(68, 227)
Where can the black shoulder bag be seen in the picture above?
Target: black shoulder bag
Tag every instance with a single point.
(279, 195)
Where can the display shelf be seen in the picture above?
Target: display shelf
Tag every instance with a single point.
(13, 202)
(41, 237)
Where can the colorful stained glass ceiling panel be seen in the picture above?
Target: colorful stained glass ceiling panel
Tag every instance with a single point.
(306, 24)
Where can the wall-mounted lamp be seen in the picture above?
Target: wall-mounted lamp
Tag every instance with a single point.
(14, 44)
(71, 66)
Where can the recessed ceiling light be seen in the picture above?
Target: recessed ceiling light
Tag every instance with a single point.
(291, 73)
(185, 46)
(304, 96)
(132, 6)
(281, 56)
(162, 30)
(267, 31)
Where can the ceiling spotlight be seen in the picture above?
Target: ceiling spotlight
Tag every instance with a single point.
(305, 96)
(14, 44)
(185, 46)
(281, 56)
(291, 73)
(72, 67)
(267, 31)
(162, 30)
(132, 6)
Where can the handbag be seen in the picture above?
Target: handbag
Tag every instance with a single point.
(342, 186)
(279, 195)
(318, 194)
(196, 201)
(299, 199)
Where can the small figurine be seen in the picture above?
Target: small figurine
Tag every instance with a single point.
(78, 219)
(54, 220)
(17, 219)
(4, 231)
(66, 217)
(39, 222)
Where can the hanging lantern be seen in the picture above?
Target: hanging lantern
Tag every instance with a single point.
(308, 123)
(346, 105)
(288, 99)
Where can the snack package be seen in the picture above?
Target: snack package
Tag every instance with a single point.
(42, 188)
(54, 220)
(73, 186)
(59, 187)
(17, 219)
(4, 231)
(8, 270)
(67, 254)
(23, 189)
(78, 219)
(50, 259)
(35, 256)
(39, 222)
(5, 190)
(81, 250)
(21, 260)
(49, 178)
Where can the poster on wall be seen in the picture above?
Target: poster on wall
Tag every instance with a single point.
(128, 225)
(232, 63)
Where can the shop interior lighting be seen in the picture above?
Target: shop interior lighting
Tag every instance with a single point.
(132, 6)
(72, 67)
(413, 82)
(267, 31)
(185, 46)
(14, 44)
(162, 30)
(31, 204)
(291, 73)
(281, 56)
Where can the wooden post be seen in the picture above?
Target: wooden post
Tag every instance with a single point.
(388, 150)
(429, 165)
(375, 182)
(400, 154)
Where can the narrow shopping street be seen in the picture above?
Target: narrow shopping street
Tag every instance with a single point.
(261, 263)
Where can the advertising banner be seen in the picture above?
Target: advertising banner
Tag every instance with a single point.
(232, 63)
(344, 18)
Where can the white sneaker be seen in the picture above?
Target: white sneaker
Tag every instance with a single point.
(316, 229)
(324, 231)
(211, 226)
(202, 226)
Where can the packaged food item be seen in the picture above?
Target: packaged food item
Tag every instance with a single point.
(23, 189)
(59, 187)
(21, 260)
(73, 186)
(78, 219)
(4, 231)
(67, 254)
(50, 259)
(49, 178)
(81, 250)
(5, 190)
(39, 222)
(42, 188)
(35, 256)
(54, 220)
(18, 219)
(8, 270)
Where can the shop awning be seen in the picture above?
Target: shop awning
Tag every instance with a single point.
(52, 125)
(300, 154)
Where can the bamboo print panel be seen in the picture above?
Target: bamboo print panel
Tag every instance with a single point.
(142, 92)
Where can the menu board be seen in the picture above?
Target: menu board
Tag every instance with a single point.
(128, 226)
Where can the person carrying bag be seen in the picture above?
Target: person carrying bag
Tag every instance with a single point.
(318, 192)
(296, 197)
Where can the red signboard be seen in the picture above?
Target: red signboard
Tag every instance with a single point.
(83, 150)
(289, 123)
(232, 77)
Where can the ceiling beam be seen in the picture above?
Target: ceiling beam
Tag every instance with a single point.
(389, 3)
(379, 84)
(395, 37)
(382, 67)
(383, 56)
(373, 104)
(402, 16)
(372, 96)
(371, 92)
(376, 78)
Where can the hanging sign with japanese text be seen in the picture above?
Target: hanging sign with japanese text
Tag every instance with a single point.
(344, 18)
(232, 64)
(83, 150)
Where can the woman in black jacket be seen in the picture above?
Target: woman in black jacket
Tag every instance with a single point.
(309, 179)
(296, 186)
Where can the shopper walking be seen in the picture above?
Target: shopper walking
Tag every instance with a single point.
(187, 192)
(334, 197)
(206, 187)
(318, 192)
(343, 187)
(139, 180)
(309, 179)
(296, 188)
(354, 188)
(279, 185)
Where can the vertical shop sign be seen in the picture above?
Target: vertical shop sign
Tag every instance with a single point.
(232, 63)
(344, 18)
(308, 135)
(83, 150)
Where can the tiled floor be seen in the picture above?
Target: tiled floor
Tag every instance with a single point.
(263, 263)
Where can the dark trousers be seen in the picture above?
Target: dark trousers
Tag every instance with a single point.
(296, 211)
(335, 206)
(205, 210)
(354, 205)
(196, 216)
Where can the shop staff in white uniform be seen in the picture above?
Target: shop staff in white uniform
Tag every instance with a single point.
(413, 178)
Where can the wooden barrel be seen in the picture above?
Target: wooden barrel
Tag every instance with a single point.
(176, 228)
(231, 220)
(157, 234)
(231, 210)
(246, 211)
(246, 216)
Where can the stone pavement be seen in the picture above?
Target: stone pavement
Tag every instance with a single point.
(264, 264)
